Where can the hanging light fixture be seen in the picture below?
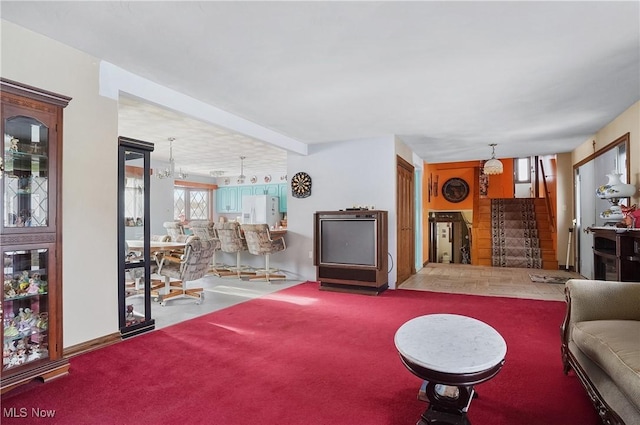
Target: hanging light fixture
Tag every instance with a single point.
(241, 177)
(170, 171)
(493, 166)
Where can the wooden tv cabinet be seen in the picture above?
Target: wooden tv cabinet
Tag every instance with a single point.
(362, 279)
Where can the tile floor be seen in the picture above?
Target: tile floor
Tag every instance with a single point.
(219, 293)
(453, 278)
(490, 281)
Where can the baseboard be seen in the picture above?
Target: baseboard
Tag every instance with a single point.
(563, 267)
(93, 344)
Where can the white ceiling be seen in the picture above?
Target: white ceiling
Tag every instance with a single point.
(447, 77)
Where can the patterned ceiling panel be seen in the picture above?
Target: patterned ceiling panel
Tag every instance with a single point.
(198, 148)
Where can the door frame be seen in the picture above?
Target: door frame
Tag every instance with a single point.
(581, 237)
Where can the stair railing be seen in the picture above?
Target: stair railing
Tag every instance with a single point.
(547, 198)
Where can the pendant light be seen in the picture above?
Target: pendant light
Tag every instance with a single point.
(493, 166)
(241, 177)
(170, 172)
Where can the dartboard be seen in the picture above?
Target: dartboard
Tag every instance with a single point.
(301, 185)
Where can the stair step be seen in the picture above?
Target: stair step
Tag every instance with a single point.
(511, 211)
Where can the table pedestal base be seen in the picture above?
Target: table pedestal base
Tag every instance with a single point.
(451, 354)
(447, 404)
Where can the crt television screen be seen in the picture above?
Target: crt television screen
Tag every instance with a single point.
(350, 242)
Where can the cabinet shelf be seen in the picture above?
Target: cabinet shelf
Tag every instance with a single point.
(25, 296)
(605, 253)
(25, 334)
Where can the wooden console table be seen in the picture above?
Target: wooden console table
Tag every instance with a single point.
(616, 254)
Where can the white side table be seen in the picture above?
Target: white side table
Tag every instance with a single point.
(451, 353)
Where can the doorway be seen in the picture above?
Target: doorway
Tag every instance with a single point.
(524, 173)
(449, 237)
(588, 175)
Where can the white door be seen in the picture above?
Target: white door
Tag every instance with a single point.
(586, 217)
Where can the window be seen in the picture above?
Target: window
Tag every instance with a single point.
(191, 203)
(523, 170)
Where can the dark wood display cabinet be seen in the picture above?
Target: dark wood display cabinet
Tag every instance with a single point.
(30, 235)
(351, 251)
(616, 254)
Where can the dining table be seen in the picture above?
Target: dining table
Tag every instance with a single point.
(155, 246)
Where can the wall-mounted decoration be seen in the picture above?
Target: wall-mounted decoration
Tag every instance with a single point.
(455, 190)
(432, 186)
(301, 185)
(435, 186)
(267, 178)
(483, 181)
(253, 179)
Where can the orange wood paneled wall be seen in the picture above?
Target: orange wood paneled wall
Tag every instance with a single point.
(500, 186)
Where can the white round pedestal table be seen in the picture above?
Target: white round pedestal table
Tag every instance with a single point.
(451, 353)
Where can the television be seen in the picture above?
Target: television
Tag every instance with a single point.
(348, 241)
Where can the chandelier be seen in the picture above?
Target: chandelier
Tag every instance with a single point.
(170, 171)
(493, 166)
(241, 177)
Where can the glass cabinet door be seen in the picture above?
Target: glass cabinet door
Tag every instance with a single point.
(25, 306)
(134, 256)
(27, 173)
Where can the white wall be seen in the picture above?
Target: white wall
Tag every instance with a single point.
(358, 172)
(564, 208)
(89, 177)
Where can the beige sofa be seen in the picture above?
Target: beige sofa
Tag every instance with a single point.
(601, 343)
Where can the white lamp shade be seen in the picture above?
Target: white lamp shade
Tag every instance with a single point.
(615, 188)
(493, 166)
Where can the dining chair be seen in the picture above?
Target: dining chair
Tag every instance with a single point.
(259, 242)
(160, 238)
(136, 274)
(232, 241)
(205, 230)
(174, 229)
(193, 265)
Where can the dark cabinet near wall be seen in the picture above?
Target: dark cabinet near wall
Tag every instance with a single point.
(351, 251)
(31, 229)
(616, 254)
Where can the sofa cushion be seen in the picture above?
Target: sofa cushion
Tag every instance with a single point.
(614, 345)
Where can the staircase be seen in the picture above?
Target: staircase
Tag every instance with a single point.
(520, 235)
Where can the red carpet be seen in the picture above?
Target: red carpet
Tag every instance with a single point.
(301, 356)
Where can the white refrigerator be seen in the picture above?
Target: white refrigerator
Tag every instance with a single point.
(258, 209)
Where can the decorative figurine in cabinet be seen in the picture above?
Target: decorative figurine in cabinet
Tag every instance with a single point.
(31, 234)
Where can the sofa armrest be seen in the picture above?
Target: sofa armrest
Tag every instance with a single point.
(596, 300)
(602, 300)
